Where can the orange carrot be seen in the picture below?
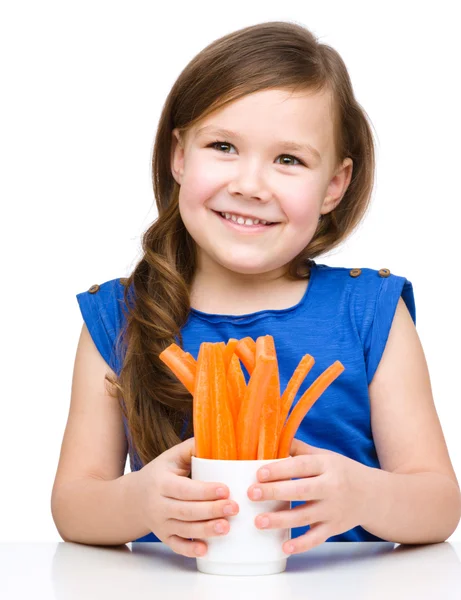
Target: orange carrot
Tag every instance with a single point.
(223, 444)
(270, 414)
(299, 374)
(245, 350)
(182, 364)
(250, 410)
(202, 404)
(304, 404)
(229, 351)
(236, 386)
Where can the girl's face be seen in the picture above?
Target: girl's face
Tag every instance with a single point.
(249, 170)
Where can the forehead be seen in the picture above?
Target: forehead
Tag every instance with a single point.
(303, 117)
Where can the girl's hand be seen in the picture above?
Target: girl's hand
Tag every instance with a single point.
(332, 485)
(176, 508)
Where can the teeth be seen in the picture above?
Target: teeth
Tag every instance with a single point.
(242, 220)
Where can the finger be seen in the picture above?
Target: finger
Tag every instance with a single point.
(190, 548)
(180, 456)
(299, 516)
(183, 488)
(201, 511)
(199, 529)
(310, 488)
(317, 534)
(299, 447)
(303, 465)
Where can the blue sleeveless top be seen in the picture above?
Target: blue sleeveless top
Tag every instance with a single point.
(345, 314)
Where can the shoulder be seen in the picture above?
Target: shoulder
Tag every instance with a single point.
(366, 285)
(359, 275)
(369, 299)
(108, 296)
(104, 312)
(107, 289)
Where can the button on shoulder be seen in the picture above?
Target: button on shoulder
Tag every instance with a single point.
(384, 272)
(355, 272)
(94, 288)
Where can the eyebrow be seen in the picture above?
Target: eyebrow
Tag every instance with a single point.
(286, 145)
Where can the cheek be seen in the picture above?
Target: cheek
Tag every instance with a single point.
(195, 193)
(199, 184)
(301, 206)
(304, 215)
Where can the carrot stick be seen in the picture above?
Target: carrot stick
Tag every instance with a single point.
(245, 350)
(236, 383)
(236, 386)
(202, 404)
(223, 445)
(229, 351)
(250, 410)
(304, 404)
(182, 364)
(270, 414)
(299, 374)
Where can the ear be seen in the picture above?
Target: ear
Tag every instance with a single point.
(337, 186)
(177, 156)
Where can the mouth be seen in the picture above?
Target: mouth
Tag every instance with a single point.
(243, 227)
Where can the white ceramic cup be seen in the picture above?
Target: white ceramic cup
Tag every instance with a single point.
(245, 550)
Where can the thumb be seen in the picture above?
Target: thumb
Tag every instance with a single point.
(299, 447)
(180, 456)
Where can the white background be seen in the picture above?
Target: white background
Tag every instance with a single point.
(83, 86)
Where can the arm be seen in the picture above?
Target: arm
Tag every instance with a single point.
(92, 501)
(98, 511)
(411, 508)
(416, 497)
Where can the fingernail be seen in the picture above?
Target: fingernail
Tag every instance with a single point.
(289, 548)
(228, 509)
(221, 492)
(219, 528)
(257, 493)
(264, 473)
(264, 522)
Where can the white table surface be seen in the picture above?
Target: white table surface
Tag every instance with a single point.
(339, 570)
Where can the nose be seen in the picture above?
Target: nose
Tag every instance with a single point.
(250, 184)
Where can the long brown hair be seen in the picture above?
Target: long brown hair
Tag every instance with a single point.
(272, 55)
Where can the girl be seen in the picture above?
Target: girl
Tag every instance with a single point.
(263, 160)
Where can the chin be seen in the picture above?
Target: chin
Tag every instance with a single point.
(246, 269)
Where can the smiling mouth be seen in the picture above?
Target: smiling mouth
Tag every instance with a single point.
(254, 225)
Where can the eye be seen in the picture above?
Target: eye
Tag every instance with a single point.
(293, 157)
(220, 143)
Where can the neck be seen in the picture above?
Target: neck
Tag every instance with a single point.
(220, 291)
